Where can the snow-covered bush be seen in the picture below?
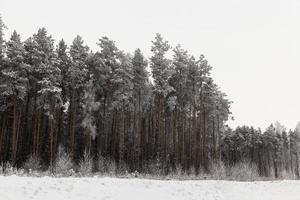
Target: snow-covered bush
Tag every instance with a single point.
(176, 173)
(243, 171)
(122, 169)
(218, 170)
(106, 166)
(156, 168)
(63, 165)
(288, 175)
(86, 165)
(32, 164)
(1, 169)
(7, 169)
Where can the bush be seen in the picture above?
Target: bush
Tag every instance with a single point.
(287, 175)
(156, 168)
(218, 170)
(86, 165)
(123, 169)
(63, 165)
(176, 173)
(1, 169)
(106, 166)
(181, 174)
(7, 169)
(32, 164)
(243, 171)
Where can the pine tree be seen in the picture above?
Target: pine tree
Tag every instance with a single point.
(64, 63)
(77, 74)
(2, 27)
(160, 66)
(295, 141)
(141, 102)
(178, 81)
(45, 91)
(17, 84)
(105, 72)
(49, 92)
(161, 72)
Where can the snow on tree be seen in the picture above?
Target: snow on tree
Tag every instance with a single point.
(78, 71)
(161, 66)
(14, 85)
(77, 76)
(64, 63)
(13, 74)
(2, 27)
(89, 107)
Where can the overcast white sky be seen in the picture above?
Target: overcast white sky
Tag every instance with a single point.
(253, 45)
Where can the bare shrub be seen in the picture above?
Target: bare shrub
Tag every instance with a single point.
(63, 165)
(106, 166)
(288, 175)
(123, 169)
(156, 168)
(176, 173)
(86, 165)
(1, 169)
(192, 172)
(243, 171)
(218, 170)
(32, 164)
(7, 169)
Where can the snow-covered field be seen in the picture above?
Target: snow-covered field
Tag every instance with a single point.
(46, 188)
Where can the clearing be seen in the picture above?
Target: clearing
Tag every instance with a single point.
(100, 188)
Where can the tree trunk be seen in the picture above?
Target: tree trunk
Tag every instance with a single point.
(73, 124)
(297, 166)
(14, 131)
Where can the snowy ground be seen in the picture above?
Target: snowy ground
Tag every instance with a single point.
(46, 188)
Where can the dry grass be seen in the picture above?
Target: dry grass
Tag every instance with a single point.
(64, 167)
